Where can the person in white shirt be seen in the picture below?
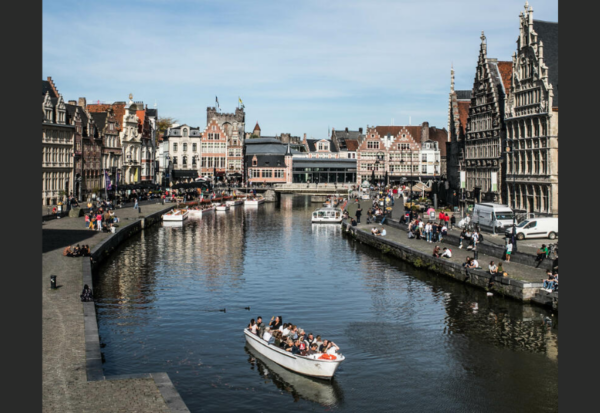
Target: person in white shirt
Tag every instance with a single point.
(474, 264)
(383, 233)
(332, 348)
(447, 253)
(267, 335)
(286, 330)
(493, 268)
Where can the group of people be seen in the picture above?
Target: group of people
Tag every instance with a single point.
(446, 253)
(291, 338)
(95, 220)
(430, 231)
(378, 232)
(77, 251)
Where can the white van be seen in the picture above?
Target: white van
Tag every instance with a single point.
(491, 215)
(536, 228)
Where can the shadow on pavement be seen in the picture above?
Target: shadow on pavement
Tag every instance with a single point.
(53, 239)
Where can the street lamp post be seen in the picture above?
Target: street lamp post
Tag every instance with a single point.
(511, 149)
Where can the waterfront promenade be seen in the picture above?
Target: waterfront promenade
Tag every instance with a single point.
(65, 385)
(523, 280)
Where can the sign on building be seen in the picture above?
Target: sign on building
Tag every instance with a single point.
(494, 181)
(463, 179)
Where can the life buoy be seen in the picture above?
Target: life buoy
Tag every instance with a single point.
(327, 357)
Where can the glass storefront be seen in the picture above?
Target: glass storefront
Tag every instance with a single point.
(324, 175)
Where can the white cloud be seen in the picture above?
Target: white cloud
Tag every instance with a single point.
(366, 57)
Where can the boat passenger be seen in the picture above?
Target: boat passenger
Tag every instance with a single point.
(318, 341)
(289, 345)
(260, 325)
(332, 348)
(275, 324)
(286, 329)
(310, 339)
(252, 326)
(268, 337)
(323, 347)
(314, 349)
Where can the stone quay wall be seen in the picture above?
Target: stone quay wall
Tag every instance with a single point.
(524, 291)
(493, 250)
(93, 356)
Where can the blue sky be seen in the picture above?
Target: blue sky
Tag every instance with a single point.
(299, 66)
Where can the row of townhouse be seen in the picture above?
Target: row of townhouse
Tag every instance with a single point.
(503, 132)
(87, 148)
(215, 152)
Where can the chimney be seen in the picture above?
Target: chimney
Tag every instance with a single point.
(81, 103)
(425, 132)
(72, 102)
(360, 130)
(346, 129)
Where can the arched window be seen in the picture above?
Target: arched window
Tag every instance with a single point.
(185, 133)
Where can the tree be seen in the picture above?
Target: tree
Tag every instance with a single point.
(253, 136)
(164, 123)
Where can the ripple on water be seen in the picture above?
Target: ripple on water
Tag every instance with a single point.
(413, 341)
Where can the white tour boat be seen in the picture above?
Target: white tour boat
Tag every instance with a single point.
(313, 365)
(327, 215)
(254, 200)
(222, 207)
(323, 392)
(239, 201)
(176, 215)
(197, 213)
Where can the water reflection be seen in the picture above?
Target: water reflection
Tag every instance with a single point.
(433, 343)
(326, 393)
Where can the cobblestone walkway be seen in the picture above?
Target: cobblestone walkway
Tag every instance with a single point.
(64, 383)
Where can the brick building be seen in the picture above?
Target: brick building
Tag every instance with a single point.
(347, 141)
(458, 113)
(232, 130)
(401, 151)
(268, 160)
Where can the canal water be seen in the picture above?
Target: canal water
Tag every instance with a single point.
(413, 341)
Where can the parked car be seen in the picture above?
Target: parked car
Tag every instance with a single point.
(535, 228)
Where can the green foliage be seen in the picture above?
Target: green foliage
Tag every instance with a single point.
(253, 136)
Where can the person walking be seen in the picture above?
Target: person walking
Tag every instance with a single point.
(452, 221)
(509, 248)
(135, 203)
(99, 221)
(358, 213)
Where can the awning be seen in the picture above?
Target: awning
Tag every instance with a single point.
(185, 173)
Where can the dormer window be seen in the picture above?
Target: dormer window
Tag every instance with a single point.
(254, 162)
(185, 134)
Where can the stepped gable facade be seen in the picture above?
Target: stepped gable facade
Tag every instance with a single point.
(485, 131)
(57, 146)
(111, 152)
(397, 150)
(233, 126)
(532, 118)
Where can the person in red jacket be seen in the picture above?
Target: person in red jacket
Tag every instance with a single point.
(441, 217)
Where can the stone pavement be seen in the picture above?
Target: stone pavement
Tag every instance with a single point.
(514, 270)
(529, 246)
(64, 382)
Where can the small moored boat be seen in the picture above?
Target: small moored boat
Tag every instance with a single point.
(222, 207)
(327, 215)
(322, 366)
(176, 215)
(239, 201)
(254, 200)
